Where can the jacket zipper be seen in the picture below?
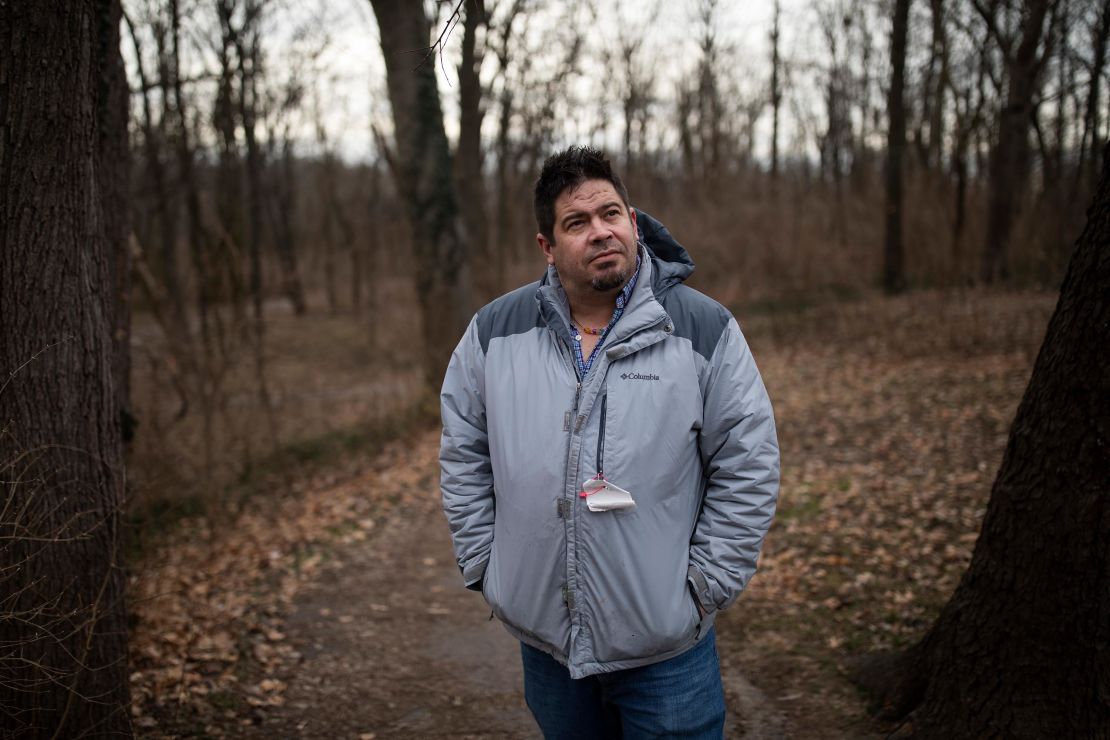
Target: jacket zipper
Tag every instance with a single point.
(601, 439)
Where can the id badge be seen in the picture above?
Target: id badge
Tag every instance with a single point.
(603, 495)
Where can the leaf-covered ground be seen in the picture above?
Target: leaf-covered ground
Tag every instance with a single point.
(892, 417)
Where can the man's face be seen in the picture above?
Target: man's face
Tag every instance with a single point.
(595, 238)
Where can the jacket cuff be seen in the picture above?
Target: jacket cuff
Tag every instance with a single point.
(700, 587)
(475, 573)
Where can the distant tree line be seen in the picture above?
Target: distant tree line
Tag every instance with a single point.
(985, 114)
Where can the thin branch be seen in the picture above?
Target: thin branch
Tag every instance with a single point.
(441, 40)
(31, 359)
(1004, 42)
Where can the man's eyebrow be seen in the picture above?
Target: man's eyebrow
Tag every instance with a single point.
(582, 211)
(571, 214)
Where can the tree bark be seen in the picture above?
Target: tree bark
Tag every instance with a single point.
(1009, 161)
(63, 222)
(283, 213)
(424, 179)
(153, 141)
(1022, 650)
(246, 40)
(505, 170)
(894, 271)
(937, 85)
(333, 219)
(776, 93)
(114, 154)
(1087, 169)
(468, 157)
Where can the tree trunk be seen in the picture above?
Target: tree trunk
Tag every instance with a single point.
(248, 49)
(1087, 169)
(776, 94)
(468, 157)
(505, 169)
(249, 60)
(894, 271)
(505, 166)
(63, 221)
(424, 179)
(198, 237)
(357, 247)
(1023, 647)
(1009, 161)
(153, 141)
(114, 153)
(283, 212)
(332, 220)
(959, 170)
(938, 76)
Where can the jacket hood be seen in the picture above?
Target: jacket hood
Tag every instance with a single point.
(671, 263)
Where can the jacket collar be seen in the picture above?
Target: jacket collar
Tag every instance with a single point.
(671, 262)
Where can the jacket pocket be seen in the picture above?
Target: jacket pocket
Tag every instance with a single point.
(489, 581)
(632, 633)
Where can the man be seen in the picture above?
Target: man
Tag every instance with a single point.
(609, 467)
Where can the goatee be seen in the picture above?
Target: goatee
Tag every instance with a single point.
(612, 281)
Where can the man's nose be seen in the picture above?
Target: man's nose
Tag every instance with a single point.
(600, 230)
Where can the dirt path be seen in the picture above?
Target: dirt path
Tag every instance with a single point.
(392, 646)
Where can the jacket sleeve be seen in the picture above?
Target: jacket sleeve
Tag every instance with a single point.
(466, 474)
(740, 456)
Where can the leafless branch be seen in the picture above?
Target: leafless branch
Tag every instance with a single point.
(441, 40)
(31, 359)
(1005, 43)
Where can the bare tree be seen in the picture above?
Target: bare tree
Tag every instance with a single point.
(1009, 161)
(705, 118)
(894, 277)
(503, 146)
(967, 86)
(423, 171)
(1087, 168)
(630, 65)
(935, 88)
(63, 623)
(154, 137)
(469, 173)
(335, 227)
(776, 89)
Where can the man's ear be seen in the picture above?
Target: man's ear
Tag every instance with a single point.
(632, 215)
(546, 246)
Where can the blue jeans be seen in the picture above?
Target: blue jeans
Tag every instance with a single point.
(679, 697)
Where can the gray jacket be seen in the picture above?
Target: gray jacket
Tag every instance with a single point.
(674, 409)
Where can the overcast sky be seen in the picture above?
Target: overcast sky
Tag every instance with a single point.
(347, 79)
(355, 95)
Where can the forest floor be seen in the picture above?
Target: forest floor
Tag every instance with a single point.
(332, 607)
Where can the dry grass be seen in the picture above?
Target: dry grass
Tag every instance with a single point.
(333, 381)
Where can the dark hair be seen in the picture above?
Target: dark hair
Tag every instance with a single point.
(569, 169)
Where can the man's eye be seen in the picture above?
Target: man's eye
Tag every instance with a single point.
(613, 212)
(573, 225)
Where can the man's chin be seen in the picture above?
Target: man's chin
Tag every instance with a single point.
(608, 281)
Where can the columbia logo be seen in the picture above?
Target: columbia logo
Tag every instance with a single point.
(639, 376)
